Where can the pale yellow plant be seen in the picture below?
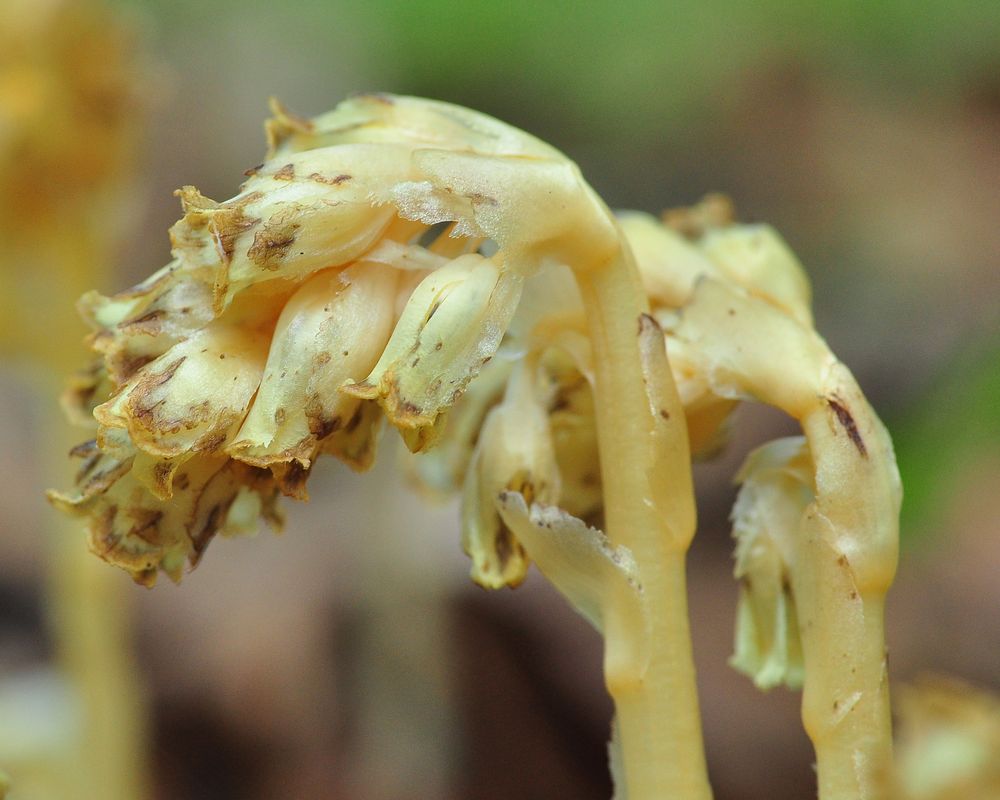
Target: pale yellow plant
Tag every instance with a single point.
(412, 261)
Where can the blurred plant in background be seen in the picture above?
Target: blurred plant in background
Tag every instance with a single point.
(70, 114)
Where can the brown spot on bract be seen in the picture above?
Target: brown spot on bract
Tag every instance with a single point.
(336, 180)
(503, 546)
(286, 173)
(271, 243)
(226, 228)
(291, 479)
(144, 525)
(161, 474)
(139, 396)
(664, 413)
(482, 199)
(321, 358)
(279, 416)
(253, 170)
(145, 577)
(210, 442)
(84, 449)
(846, 420)
(148, 324)
(355, 420)
(212, 524)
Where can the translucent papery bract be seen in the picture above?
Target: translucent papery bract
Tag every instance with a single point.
(577, 559)
(538, 211)
(767, 526)
(514, 453)
(333, 329)
(451, 327)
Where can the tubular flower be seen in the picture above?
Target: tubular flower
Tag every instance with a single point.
(767, 516)
(344, 284)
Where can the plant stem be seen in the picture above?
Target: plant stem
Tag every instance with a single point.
(848, 565)
(649, 672)
(845, 699)
(88, 613)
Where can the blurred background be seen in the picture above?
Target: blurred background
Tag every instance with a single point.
(350, 657)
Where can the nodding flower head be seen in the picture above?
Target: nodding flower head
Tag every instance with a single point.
(368, 269)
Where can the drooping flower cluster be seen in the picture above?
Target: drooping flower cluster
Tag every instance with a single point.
(347, 281)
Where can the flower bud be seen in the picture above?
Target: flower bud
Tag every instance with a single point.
(767, 521)
(514, 453)
(450, 328)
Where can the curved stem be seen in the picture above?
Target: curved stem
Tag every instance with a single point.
(649, 508)
(846, 569)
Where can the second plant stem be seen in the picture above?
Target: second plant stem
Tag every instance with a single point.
(649, 672)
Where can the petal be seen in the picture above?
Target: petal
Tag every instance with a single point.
(718, 315)
(192, 398)
(137, 326)
(333, 329)
(514, 453)
(574, 438)
(450, 328)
